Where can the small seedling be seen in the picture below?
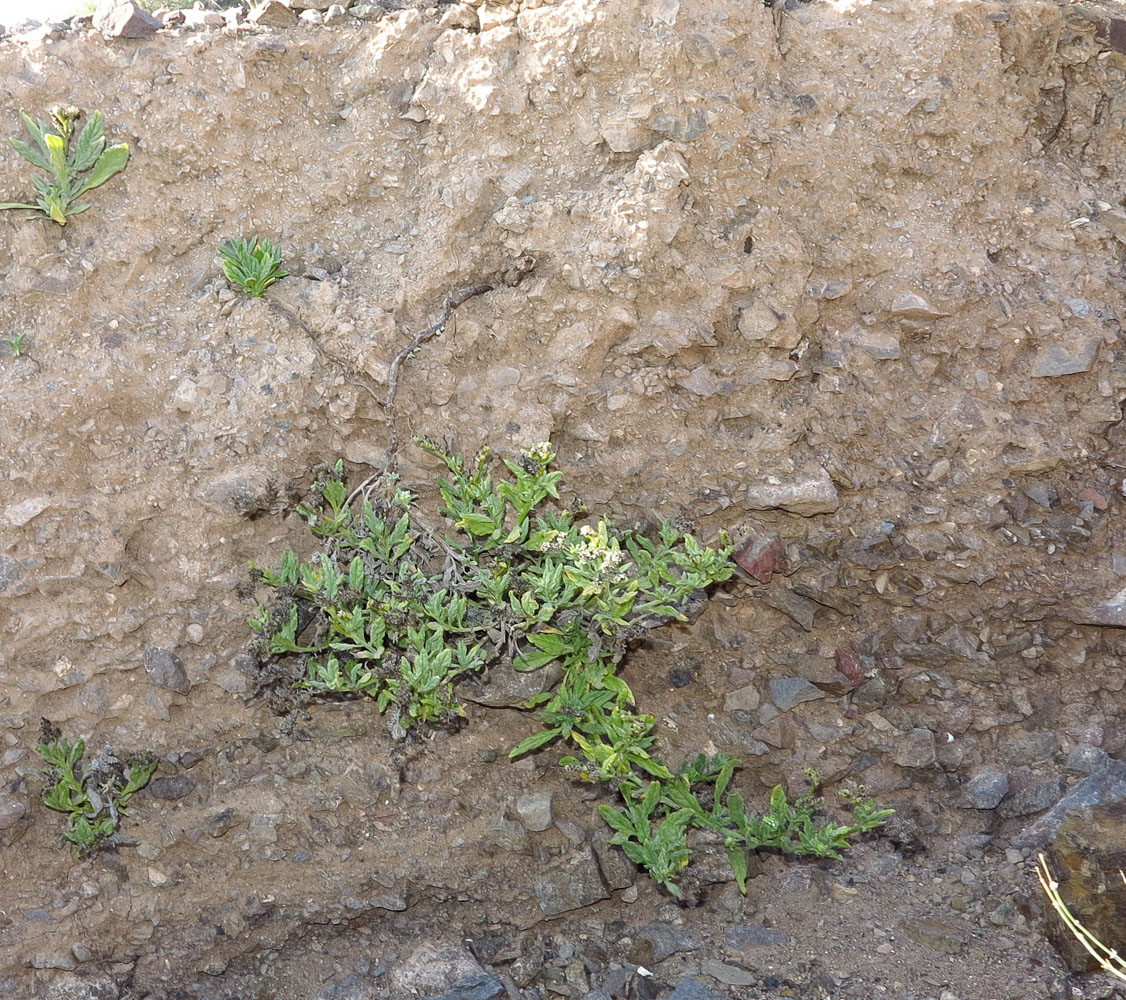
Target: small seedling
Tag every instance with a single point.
(58, 197)
(251, 266)
(93, 794)
(15, 343)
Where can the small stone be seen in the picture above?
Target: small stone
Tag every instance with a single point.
(1115, 221)
(11, 811)
(200, 18)
(986, 788)
(761, 554)
(171, 788)
(848, 663)
(729, 975)
(812, 495)
(336, 14)
(915, 749)
(870, 696)
(53, 960)
(935, 935)
(1086, 759)
(1070, 358)
(789, 692)
(1094, 497)
(272, 14)
(747, 936)
(312, 17)
(654, 942)
(166, 670)
(690, 988)
(618, 871)
(20, 513)
(222, 822)
(908, 305)
(534, 811)
(124, 19)
(800, 609)
(481, 987)
(505, 835)
(745, 699)
(571, 884)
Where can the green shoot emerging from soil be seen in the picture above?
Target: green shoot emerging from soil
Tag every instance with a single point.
(401, 614)
(251, 266)
(16, 343)
(52, 152)
(94, 794)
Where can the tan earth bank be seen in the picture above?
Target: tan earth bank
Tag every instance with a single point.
(853, 270)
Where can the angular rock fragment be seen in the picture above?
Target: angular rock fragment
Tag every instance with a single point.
(1069, 358)
(761, 554)
(273, 14)
(573, 883)
(124, 19)
(811, 495)
(166, 670)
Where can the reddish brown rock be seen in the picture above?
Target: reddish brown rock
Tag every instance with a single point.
(848, 663)
(1094, 496)
(761, 554)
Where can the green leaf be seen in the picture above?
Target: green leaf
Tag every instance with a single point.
(16, 204)
(532, 661)
(33, 156)
(90, 144)
(477, 525)
(534, 742)
(738, 858)
(109, 163)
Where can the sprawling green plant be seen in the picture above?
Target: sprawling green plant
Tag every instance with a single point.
(58, 197)
(399, 614)
(252, 266)
(93, 794)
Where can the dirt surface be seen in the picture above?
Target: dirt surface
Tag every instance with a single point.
(854, 271)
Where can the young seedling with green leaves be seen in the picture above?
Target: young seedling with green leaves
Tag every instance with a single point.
(16, 343)
(72, 172)
(92, 794)
(401, 614)
(252, 266)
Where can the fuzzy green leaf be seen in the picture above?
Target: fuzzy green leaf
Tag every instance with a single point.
(109, 163)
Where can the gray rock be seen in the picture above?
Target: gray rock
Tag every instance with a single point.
(11, 811)
(935, 935)
(1030, 793)
(12, 582)
(1110, 612)
(571, 884)
(53, 960)
(1066, 358)
(789, 692)
(432, 967)
(745, 699)
(336, 14)
(171, 788)
(124, 19)
(730, 975)
(794, 606)
(222, 822)
(870, 696)
(690, 988)
(534, 811)
(483, 987)
(654, 942)
(166, 670)
(745, 936)
(915, 749)
(505, 835)
(508, 688)
(617, 870)
(986, 788)
(811, 495)
(1103, 788)
(1086, 759)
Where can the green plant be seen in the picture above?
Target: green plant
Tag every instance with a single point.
(16, 342)
(251, 265)
(400, 614)
(93, 794)
(58, 198)
(1109, 960)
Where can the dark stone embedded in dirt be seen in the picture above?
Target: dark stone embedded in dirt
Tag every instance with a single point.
(508, 688)
(11, 811)
(935, 935)
(870, 696)
(166, 670)
(1030, 792)
(848, 663)
(730, 975)
(915, 749)
(814, 494)
(617, 869)
(12, 582)
(986, 788)
(654, 942)
(504, 834)
(690, 988)
(761, 554)
(745, 699)
(483, 987)
(1085, 858)
(124, 19)
(794, 606)
(432, 966)
(747, 936)
(789, 692)
(171, 788)
(572, 883)
(680, 677)
(222, 822)
(1104, 788)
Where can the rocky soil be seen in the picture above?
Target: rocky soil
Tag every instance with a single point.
(854, 272)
